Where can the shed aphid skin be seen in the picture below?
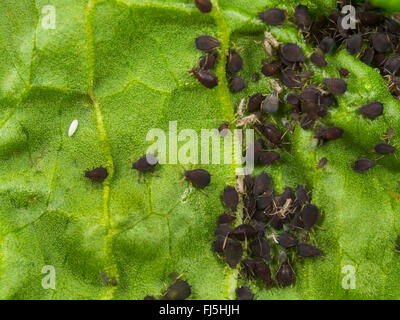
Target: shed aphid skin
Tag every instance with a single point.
(244, 293)
(205, 6)
(145, 163)
(362, 165)
(98, 174)
(180, 290)
(372, 110)
(231, 198)
(206, 43)
(199, 177)
(72, 128)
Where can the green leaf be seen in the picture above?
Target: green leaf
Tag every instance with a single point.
(121, 69)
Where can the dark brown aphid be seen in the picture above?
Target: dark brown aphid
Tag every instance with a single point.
(370, 18)
(276, 222)
(328, 134)
(270, 103)
(98, 174)
(243, 232)
(384, 148)
(310, 94)
(180, 290)
(220, 243)
(336, 85)
(149, 298)
(292, 53)
(208, 61)
(235, 62)
(222, 128)
(302, 17)
(226, 218)
(285, 274)
(206, 43)
(223, 230)
(272, 68)
(392, 65)
(307, 250)
(261, 248)
(291, 79)
(368, 56)
(231, 198)
(381, 42)
(271, 133)
(344, 72)
(287, 240)
(199, 177)
(327, 100)
(233, 253)
(302, 195)
(206, 78)
(262, 270)
(204, 6)
(237, 84)
(145, 163)
(318, 59)
(354, 44)
(322, 163)
(273, 16)
(362, 165)
(269, 157)
(286, 195)
(308, 121)
(244, 293)
(379, 58)
(255, 102)
(261, 183)
(264, 201)
(372, 110)
(327, 44)
(292, 98)
(310, 214)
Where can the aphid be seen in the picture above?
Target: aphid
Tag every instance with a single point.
(104, 278)
(381, 42)
(292, 98)
(233, 253)
(286, 195)
(370, 18)
(261, 248)
(390, 134)
(291, 79)
(379, 58)
(180, 290)
(292, 52)
(231, 198)
(327, 100)
(302, 17)
(336, 85)
(114, 281)
(271, 133)
(243, 232)
(308, 121)
(269, 157)
(255, 102)
(204, 6)
(206, 78)
(311, 95)
(237, 84)
(285, 274)
(327, 44)
(72, 128)
(318, 59)
(248, 183)
(226, 218)
(344, 72)
(206, 43)
(354, 44)
(199, 177)
(307, 250)
(270, 103)
(273, 16)
(98, 174)
(223, 230)
(322, 163)
(328, 134)
(287, 240)
(244, 293)
(368, 56)
(392, 65)
(235, 62)
(261, 183)
(264, 201)
(222, 129)
(384, 148)
(262, 270)
(220, 243)
(271, 69)
(362, 165)
(149, 298)
(372, 110)
(302, 195)
(145, 163)
(310, 214)
(208, 61)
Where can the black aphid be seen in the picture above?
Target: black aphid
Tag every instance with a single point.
(285, 274)
(270, 103)
(344, 72)
(327, 44)
(370, 18)
(244, 293)
(235, 61)
(208, 61)
(206, 43)
(276, 222)
(262, 270)
(322, 163)
(199, 177)
(222, 129)
(98, 174)
(230, 197)
(206, 78)
(372, 110)
(318, 59)
(255, 102)
(292, 53)
(392, 65)
(261, 183)
(368, 56)
(336, 85)
(308, 121)
(180, 290)
(291, 79)
(328, 134)
(260, 248)
(384, 148)
(145, 163)
(310, 94)
(272, 68)
(264, 201)
(237, 84)
(287, 240)
(223, 230)
(310, 214)
(327, 100)
(271, 133)
(354, 44)
(204, 6)
(233, 253)
(226, 218)
(302, 195)
(302, 17)
(243, 232)
(220, 244)
(307, 250)
(292, 98)
(269, 157)
(362, 165)
(380, 42)
(379, 58)
(274, 16)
